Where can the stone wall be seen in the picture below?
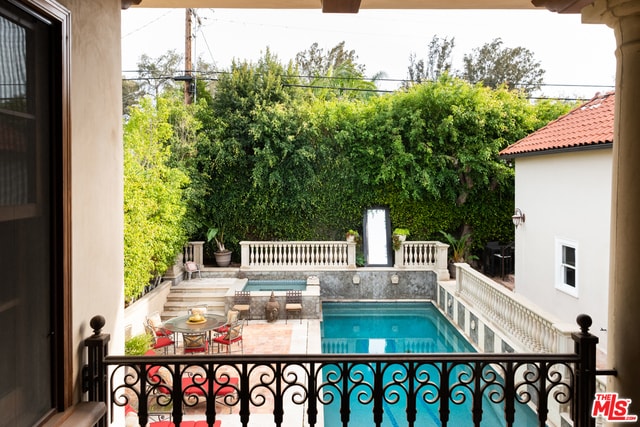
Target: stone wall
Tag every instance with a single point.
(360, 284)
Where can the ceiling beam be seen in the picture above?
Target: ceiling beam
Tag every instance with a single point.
(125, 4)
(563, 6)
(340, 6)
(344, 6)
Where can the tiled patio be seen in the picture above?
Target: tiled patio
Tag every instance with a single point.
(261, 337)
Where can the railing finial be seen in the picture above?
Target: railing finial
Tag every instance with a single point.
(585, 322)
(97, 323)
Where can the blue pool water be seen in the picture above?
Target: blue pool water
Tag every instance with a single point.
(275, 285)
(381, 327)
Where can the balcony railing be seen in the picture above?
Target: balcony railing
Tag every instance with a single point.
(441, 381)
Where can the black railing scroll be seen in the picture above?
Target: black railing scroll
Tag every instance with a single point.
(451, 386)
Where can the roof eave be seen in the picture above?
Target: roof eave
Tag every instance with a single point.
(586, 147)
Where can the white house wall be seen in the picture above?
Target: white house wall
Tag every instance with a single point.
(565, 196)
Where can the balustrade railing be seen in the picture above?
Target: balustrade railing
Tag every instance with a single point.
(423, 255)
(512, 315)
(476, 384)
(292, 255)
(193, 251)
(414, 255)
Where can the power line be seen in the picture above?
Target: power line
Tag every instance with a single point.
(147, 24)
(342, 88)
(396, 80)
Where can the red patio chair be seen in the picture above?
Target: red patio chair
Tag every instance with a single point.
(232, 317)
(161, 340)
(195, 343)
(233, 336)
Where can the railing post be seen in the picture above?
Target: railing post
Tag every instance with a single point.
(94, 373)
(585, 347)
(351, 254)
(198, 252)
(442, 261)
(244, 254)
(398, 257)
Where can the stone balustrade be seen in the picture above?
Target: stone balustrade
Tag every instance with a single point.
(418, 255)
(512, 314)
(328, 255)
(298, 255)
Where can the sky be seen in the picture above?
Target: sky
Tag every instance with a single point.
(578, 58)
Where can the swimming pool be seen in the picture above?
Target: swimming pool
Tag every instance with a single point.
(390, 327)
(275, 285)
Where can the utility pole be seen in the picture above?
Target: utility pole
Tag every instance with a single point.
(187, 57)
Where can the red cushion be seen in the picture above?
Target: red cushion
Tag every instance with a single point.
(162, 332)
(152, 372)
(223, 340)
(222, 329)
(198, 349)
(218, 423)
(219, 390)
(163, 342)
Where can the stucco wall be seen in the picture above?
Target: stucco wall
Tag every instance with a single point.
(97, 178)
(565, 196)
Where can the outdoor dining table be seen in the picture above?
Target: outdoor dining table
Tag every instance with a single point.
(183, 325)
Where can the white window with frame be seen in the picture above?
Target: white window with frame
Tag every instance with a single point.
(567, 266)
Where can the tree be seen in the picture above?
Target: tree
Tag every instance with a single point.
(131, 93)
(154, 208)
(494, 65)
(314, 62)
(272, 164)
(438, 61)
(250, 114)
(335, 73)
(156, 74)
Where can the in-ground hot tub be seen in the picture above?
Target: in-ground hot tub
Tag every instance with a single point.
(275, 285)
(261, 290)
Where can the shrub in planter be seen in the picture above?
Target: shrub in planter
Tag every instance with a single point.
(138, 345)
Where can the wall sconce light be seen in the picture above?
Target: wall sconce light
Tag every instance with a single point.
(395, 279)
(518, 217)
(356, 279)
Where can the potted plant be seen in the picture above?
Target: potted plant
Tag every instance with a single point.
(222, 255)
(353, 236)
(459, 249)
(399, 236)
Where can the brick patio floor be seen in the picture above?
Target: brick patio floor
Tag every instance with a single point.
(260, 337)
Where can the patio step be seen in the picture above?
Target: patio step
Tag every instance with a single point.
(207, 291)
(181, 308)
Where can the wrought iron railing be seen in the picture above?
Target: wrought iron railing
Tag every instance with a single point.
(443, 382)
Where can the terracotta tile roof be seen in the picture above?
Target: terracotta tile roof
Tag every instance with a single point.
(588, 125)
